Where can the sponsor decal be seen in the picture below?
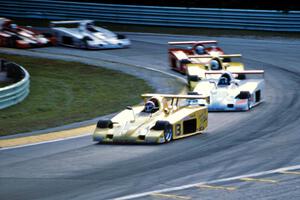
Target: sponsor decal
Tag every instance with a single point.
(242, 101)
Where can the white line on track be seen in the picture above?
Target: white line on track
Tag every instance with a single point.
(45, 142)
(182, 187)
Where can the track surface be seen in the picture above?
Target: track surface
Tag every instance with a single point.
(235, 144)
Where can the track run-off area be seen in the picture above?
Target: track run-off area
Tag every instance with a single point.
(249, 155)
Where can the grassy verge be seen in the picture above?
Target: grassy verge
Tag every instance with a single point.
(173, 30)
(65, 92)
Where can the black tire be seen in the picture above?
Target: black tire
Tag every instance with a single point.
(192, 78)
(168, 133)
(166, 127)
(104, 123)
(12, 41)
(84, 42)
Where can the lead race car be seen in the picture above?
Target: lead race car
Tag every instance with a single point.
(230, 94)
(179, 56)
(12, 35)
(84, 34)
(162, 118)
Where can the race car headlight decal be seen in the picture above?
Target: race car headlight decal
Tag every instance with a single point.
(230, 98)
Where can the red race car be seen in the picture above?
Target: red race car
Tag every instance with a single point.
(12, 35)
(178, 56)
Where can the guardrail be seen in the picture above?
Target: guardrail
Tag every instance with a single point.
(18, 91)
(153, 15)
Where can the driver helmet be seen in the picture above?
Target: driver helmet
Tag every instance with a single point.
(151, 106)
(223, 81)
(200, 50)
(13, 26)
(214, 65)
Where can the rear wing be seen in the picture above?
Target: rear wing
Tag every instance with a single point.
(237, 72)
(53, 23)
(176, 96)
(193, 42)
(219, 56)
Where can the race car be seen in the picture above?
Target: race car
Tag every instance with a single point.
(179, 56)
(160, 119)
(196, 69)
(12, 35)
(84, 34)
(230, 94)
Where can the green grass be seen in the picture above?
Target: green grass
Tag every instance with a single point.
(65, 92)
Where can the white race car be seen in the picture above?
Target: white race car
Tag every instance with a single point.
(84, 34)
(230, 94)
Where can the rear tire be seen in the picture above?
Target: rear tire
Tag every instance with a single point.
(192, 78)
(12, 42)
(84, 42)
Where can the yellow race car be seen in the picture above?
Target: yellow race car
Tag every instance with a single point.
(160, 119)
(202, 63)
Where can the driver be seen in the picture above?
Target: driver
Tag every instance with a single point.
(13, 26)
(200, 50)
(215, 65)
(151, 106)
(224, 80)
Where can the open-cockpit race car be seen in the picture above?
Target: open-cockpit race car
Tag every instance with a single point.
(179, 56)
(160, 119)
(230, 94)
(85, 34)
(12, 35)
(197, 68)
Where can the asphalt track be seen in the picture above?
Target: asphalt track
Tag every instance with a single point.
(234, 145)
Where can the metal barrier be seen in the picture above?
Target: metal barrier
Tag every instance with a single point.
(152, 15)
(18, 91)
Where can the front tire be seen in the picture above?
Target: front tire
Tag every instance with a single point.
(168, 134)
(12, 42)
(84, 43)
(166, 127)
